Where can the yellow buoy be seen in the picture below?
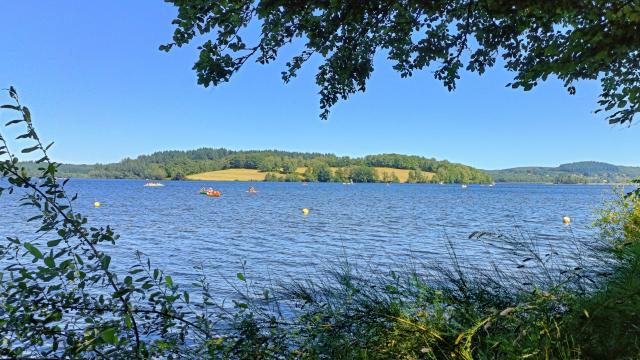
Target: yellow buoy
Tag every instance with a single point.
(566, 220)
(305, 211)
(96, 204)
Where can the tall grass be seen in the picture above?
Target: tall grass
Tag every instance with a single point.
(545, 306)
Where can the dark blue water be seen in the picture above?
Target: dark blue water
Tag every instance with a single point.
(384, 226)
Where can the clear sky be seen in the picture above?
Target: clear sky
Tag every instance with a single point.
(97, 84)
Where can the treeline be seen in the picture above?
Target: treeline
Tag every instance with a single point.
(283, 166)
(64, 170)
(322, 172)
(590, 168)
(572, 173)
(369, 174)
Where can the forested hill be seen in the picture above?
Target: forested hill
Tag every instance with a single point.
(572, 173)
(280, 165)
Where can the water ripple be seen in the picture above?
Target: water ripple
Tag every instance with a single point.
(381, 225)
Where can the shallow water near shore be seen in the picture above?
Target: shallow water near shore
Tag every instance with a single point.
(384, 226)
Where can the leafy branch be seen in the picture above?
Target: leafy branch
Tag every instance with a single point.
(573, 41)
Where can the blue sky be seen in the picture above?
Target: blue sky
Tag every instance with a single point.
(96, 83)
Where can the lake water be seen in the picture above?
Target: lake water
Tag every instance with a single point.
(386, 226)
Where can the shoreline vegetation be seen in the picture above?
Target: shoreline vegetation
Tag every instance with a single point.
(210, 164)
(274, 165)
(584, 172)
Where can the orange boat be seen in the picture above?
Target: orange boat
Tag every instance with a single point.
(213, 193)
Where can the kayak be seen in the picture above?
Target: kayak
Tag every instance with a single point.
(214, 193)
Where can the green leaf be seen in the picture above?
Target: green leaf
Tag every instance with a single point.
(127, 321)
(53, 243)
(120, 293)
(30, 149)
(106, 260)
(169, 281)
(240, 276)
(242, 305)
(109, 336)
(49, 262)
(13, 122)
(24, 136)
(35, 218)
(26, 113)
(33, 250)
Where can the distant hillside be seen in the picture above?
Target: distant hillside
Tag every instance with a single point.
(381, 174)
(573, 173)
(65, 170)
(274, 165)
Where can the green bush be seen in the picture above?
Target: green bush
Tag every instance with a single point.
(605, 323)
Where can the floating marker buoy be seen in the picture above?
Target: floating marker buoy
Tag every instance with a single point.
(96, 204)
(305, 211)
(566, 220)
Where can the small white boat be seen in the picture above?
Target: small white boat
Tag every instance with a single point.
(153, 184)
(464, 186)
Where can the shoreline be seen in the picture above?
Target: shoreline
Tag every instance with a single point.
(332, 182)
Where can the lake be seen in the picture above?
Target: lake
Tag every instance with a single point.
(384, 226)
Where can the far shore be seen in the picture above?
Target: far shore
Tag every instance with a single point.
(257, 175)
(190, 178)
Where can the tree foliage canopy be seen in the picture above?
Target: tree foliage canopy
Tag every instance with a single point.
(572, 40)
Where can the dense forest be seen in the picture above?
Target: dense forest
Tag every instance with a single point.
(573, 173)
(277, 165)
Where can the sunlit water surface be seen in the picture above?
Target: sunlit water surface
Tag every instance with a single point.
(384, 226)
